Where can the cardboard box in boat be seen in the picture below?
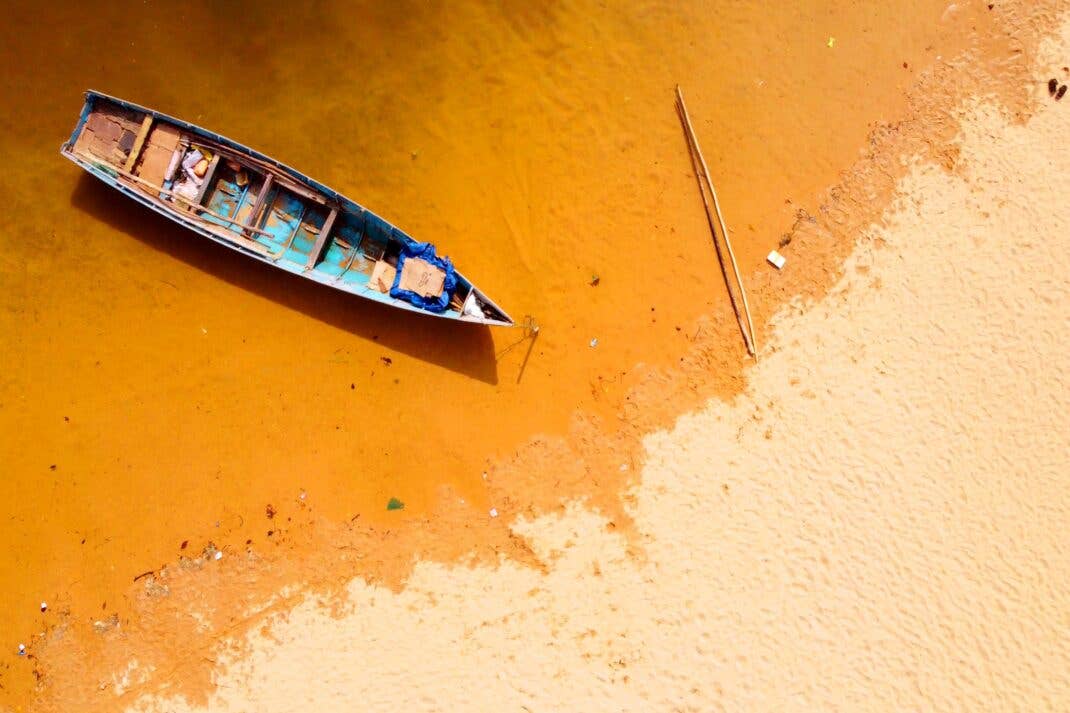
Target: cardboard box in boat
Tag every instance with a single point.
(422, 277)
(382, 277)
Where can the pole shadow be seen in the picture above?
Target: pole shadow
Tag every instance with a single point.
(463, 348)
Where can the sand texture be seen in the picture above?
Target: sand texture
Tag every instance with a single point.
(878, 523)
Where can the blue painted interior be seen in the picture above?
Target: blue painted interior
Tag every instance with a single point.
(226, 197)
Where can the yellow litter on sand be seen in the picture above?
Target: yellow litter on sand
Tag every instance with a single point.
(832, 41)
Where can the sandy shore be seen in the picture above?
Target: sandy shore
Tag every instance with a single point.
(876, 524)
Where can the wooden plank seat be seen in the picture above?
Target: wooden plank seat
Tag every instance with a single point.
(321, 240)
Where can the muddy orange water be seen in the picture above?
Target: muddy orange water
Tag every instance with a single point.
(157, 389)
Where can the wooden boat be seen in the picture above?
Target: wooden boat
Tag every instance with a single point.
(251, 203)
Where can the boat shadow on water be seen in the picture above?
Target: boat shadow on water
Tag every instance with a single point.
(463, 348)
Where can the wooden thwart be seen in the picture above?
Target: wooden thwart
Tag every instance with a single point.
(703, 173)
(321, 240)
(261, 199)
(139, 143)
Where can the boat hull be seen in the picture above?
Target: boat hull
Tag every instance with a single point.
(220, 231)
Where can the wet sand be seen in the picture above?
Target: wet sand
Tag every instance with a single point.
(226, 400)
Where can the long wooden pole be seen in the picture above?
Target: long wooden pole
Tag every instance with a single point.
(175, 196)
(722, 262)
(281, 177)
(748, 335)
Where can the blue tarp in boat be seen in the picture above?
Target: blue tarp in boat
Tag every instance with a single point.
(425, 251)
